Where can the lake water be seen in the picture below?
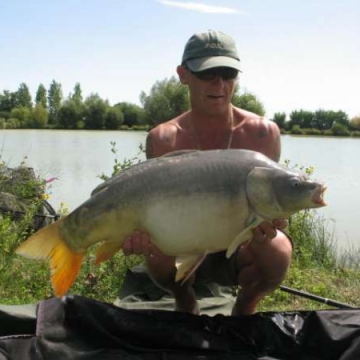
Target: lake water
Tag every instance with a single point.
(77, 158)
(336, 162)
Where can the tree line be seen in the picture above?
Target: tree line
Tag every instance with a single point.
(327, 122)
(167, 99)
(51, 110)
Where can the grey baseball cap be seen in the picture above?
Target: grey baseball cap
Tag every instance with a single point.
(210, 49)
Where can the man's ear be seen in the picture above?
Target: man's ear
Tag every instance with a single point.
(182, 72)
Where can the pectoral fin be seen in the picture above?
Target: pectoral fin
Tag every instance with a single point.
(187, 265)
(106, 251)
(245, 235)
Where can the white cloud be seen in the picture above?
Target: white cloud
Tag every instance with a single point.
(209, 9)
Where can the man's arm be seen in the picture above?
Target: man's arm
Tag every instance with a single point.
(268, 134)
(274, 135)
(160, 140)
(149, 147)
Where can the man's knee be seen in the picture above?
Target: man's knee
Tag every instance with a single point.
(265, 262)
(280, 249)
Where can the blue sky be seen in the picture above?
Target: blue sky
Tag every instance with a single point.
(294, 54)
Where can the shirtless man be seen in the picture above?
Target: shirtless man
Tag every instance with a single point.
(209, 68)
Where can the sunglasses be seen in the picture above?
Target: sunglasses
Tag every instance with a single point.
(225, 73)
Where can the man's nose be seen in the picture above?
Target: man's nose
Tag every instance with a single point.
(218, 80)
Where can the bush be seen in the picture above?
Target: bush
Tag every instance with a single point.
(113, 118)
(315, 245)
(295, 130)
(340, 130)
(12, 123)
(141, 127)
(311, 131)
(22, 195)
(20, 199)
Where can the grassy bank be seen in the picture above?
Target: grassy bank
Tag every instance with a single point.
(317, 267)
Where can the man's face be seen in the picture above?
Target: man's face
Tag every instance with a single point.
(210, 90)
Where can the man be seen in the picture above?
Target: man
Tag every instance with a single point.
(209, 68)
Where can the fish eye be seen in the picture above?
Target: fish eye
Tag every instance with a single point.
(295, 182)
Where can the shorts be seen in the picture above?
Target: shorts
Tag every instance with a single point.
(217, 268)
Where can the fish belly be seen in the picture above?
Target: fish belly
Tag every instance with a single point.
(196, 224)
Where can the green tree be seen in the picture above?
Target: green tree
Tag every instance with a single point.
(133, 114)
(340, 117)
(72, 111)
(8, 101)
(280, 120)
(113, 118)
(77, 95)
(322, 120)
(95, 112)
(40, 97)
(70, 115)
(167, 99)
(331, 117)
(249, 102)
(40, 117)
(23, 96)
(23, 114)
(302, 118)
(55, 97)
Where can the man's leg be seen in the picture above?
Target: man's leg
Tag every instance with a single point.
(162, 270)
(259, 269)
(262, 267)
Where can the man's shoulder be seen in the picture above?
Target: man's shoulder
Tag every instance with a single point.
(254, 121)
(163, 137)
(167, 126)
(172, 125)
(257, 133)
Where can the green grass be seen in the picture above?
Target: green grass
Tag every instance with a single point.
(24, 281)
(317, 268)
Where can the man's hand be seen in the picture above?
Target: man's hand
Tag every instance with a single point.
(267, 231)
(139, 243)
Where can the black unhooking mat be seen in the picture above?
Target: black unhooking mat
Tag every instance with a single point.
(75, 327)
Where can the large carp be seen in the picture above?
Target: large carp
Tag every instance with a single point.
(192, 203)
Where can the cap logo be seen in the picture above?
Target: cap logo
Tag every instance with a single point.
(214, 46)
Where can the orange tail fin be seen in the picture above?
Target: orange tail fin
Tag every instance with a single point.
(47, 244)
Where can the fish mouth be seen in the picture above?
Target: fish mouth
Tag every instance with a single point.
(318, 197)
